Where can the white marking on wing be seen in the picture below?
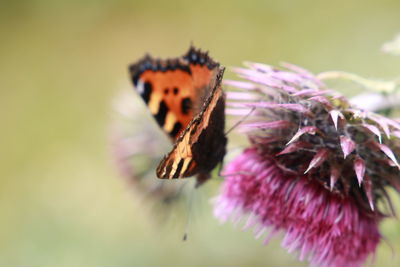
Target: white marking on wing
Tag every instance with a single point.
(140, 87)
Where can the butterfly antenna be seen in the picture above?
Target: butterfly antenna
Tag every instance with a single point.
(189, 215)
(240, 121)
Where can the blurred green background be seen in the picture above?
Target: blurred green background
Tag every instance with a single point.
(62, 202)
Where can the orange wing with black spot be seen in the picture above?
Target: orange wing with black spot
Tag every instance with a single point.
(174, 89)
(186, 99)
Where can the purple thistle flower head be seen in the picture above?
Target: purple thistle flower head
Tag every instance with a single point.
(316, 168)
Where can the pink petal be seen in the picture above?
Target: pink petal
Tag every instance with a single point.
(294, 147)
(385, 128)
(382, 123)
(388, 152)
(318, 159)
(259, 67)
(261, 78)
(246, 72)
(281, 124)
(335, 114)
(240, 96)
(239, 84)
(393, 123)
(287, 89)
(389, 162)
(347, 145)
(303, 72)
(287, 77)
(368, 190)
(236, 104)
(264, 79)
(335, 173)
(238, 111)
(293, 107)
(297, 69)
(306, 92)
(374, 130)
(308, 129)
(359, 168)
(383, 120)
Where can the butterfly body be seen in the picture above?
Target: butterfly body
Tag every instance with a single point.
(186, 99)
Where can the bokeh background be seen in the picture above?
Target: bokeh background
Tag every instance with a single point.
(62, 202)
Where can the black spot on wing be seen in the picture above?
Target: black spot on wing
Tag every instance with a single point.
(161, 114)
(186, 105)
(147, 92)
(176, 129)
(178, 169)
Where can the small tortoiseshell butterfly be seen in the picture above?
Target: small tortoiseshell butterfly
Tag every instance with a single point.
(186, 99)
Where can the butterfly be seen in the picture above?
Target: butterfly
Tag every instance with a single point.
(186, 99)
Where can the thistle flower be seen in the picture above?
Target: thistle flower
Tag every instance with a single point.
(316, 169)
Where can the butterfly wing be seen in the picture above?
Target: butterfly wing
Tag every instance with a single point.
(202, 144)
(174, 89)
